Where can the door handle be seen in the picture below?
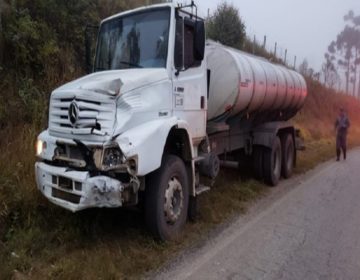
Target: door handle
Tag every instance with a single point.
(202, 102)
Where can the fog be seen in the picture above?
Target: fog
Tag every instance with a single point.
(305, 28)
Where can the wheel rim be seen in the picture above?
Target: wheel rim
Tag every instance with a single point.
(173, 203)
(290, 158)
(277, 163)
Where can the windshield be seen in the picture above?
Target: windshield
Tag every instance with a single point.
(134, 41)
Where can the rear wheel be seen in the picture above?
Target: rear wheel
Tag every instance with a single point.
(272, 163)
(167, 199)
(258, 162)
(288, 154)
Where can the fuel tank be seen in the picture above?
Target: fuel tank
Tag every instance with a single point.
(242, 85)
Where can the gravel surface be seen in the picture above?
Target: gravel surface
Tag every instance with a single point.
(306, 228)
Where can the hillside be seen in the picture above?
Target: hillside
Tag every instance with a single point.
(316, 119)
(43, 241)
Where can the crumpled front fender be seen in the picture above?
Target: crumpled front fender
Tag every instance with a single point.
(146, 142)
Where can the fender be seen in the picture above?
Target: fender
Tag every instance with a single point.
(146, 142)
(265, 134)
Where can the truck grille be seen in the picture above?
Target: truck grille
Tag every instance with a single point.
(91, 114)
(73, 198)
(63, 189)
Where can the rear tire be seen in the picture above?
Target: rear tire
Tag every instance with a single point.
(258, 162)
(272, 163)
(167, 199)
(288, 154)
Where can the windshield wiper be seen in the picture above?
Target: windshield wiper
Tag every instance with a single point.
(132, 64)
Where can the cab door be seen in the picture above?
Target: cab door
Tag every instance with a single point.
(190, 76)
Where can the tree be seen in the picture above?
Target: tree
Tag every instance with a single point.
(328, 69)
(355, 22)
(307, 71)
(303, 67)
(226, 26)
(343, 48)
(346, 48)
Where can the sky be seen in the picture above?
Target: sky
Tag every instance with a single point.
(304, 27)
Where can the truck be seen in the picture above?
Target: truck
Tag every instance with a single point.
(161, 111)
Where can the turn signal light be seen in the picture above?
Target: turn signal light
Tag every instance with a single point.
(40, 147)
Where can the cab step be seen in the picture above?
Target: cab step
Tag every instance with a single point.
(199, 158)
(201, 189)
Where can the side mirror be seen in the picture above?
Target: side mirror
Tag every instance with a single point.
(199, 40)
(179, 55)
(90, 43)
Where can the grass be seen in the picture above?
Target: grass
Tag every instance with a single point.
(42, 241)
(48, 242)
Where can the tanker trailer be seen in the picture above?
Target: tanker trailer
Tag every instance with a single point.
(250, 101)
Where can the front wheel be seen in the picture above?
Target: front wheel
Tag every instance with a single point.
(167, 199)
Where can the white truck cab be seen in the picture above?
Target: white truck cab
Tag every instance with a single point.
(135, 123)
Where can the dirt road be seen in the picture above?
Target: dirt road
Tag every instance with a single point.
(308, 228)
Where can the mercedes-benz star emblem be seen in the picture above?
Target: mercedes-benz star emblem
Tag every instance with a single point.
(73, 113)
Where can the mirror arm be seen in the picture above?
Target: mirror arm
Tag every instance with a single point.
(88, 29)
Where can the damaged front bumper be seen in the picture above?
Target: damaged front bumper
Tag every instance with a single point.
(76, 190)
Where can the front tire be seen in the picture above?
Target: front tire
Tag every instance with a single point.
(167, 199)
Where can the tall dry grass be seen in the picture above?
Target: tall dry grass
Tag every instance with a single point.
(316, 121)
(317, 118)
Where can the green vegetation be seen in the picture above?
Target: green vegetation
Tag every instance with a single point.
(226, 26)
(41, 48)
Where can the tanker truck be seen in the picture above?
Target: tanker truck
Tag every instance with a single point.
(159, 114)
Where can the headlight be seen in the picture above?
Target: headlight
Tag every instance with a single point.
(40, 147)
(112, 157)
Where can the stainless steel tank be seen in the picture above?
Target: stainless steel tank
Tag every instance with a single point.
(243, 84)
